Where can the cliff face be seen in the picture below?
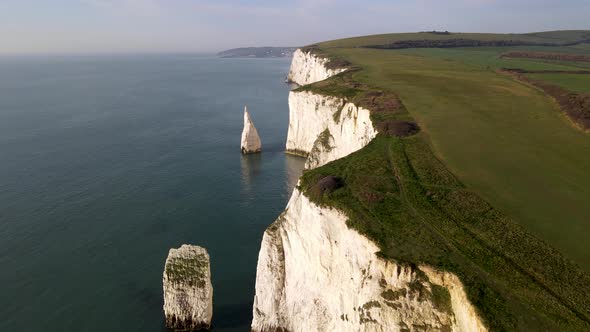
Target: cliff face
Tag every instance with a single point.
(316, 274)
(307, 68)
(326, 128)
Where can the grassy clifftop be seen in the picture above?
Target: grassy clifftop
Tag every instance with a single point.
(488, 188)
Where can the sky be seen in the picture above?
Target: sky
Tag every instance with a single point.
(132, 26)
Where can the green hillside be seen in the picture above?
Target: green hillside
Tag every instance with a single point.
(552, 37)
(572, 82)
(495, 180)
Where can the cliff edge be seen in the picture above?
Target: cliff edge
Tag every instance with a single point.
(315, 273)
(307, 68)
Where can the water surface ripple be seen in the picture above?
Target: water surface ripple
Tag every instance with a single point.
(108, 161)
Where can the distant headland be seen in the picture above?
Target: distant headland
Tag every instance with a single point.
(258, 52)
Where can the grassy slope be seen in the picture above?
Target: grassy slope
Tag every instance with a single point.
(583, 47)
(557, 37)
(502, 138)
(507, 143)
(489, 57)
(572, 82)
(398, 194)
(483, 57)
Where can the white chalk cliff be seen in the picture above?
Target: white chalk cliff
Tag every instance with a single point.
(250, 139)
(316, 274)
(326, 128)
(188, 293)
(306, 68)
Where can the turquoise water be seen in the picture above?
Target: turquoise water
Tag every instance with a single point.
(106, 162)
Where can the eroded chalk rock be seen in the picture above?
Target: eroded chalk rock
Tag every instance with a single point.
(188, 293)
(250, 139)
(314, 273)
(326, 128)
(307, 68)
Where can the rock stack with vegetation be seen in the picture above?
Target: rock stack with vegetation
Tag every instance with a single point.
(188, 293)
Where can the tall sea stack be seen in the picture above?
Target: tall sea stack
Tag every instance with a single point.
(250, 139)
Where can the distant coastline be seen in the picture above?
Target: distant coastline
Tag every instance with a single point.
(258, 52)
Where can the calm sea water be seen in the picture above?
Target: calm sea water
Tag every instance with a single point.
(107, 162)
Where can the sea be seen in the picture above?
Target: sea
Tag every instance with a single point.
(108, 161)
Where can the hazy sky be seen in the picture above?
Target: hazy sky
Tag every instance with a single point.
(90, 26)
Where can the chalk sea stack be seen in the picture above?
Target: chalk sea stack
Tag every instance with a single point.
(188, 293)
(250, 139)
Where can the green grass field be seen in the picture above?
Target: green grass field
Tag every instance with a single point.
(554, 37)
(400, 195)
(502, 138)
(585, 47)
(497, 178)
(572, 82)
(483, 57)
